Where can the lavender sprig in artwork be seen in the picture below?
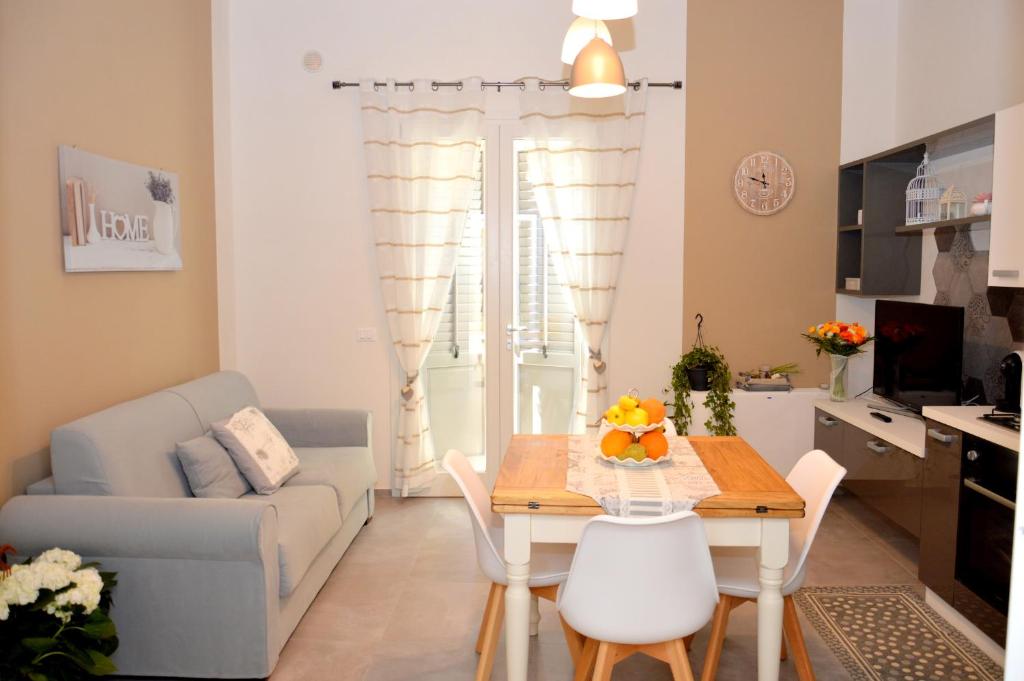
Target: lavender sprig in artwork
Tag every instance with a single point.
(159, 188)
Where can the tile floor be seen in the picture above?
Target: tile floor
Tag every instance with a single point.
(405, 602)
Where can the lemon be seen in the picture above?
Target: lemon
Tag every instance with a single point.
(637, 417)
(615, 415)
(628, 403)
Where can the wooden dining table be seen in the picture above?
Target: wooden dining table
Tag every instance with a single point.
(753, 510)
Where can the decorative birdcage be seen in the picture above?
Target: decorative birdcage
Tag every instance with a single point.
(923, 193)
(952, 204)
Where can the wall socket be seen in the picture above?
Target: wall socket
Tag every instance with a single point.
(366, 334)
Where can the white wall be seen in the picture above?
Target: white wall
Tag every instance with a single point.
(912, 68)
(296, 258)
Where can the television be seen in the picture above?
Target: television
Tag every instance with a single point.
(919, 354)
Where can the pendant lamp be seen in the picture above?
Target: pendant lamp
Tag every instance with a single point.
(597, 72)
(604, 9)
(582, 31)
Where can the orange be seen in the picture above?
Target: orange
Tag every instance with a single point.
(654, 408)
(615, 442)
(656, 444)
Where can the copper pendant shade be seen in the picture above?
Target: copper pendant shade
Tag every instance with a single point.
(597, 72)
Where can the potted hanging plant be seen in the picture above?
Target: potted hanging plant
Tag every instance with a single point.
(703, 368)
(839, 341)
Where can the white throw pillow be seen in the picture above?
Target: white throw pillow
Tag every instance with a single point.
(258, 449)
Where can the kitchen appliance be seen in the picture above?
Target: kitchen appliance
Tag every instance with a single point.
(984, 544)
(919, 353)
(1010, 368)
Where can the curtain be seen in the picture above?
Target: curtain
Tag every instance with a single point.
(421, 146)
(582, 165)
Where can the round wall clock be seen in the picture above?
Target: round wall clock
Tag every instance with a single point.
(764, 183)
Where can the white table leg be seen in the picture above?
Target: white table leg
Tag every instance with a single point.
(517, 596)
(774, 555)
(534, 615)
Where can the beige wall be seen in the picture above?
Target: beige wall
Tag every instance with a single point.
(762, 75)
(130, 80)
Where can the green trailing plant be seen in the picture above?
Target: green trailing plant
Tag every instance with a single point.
(718, 401)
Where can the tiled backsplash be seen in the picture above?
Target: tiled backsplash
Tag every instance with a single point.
(993, 316)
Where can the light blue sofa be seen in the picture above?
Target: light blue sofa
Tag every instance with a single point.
(206, 587)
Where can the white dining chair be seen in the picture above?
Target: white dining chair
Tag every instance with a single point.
(639, 585)
(814, 477)
(549, 565)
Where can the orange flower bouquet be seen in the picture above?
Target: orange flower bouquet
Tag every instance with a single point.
(839, 341)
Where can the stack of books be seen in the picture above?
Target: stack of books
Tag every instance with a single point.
(79, 210)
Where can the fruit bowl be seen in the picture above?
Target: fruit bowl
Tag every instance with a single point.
(633, 463)
(607, 425)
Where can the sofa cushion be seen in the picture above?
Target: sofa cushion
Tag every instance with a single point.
(126, 450)
(211, 472)
(348, 470)
(307, 519)
(217, 396)
(258, 449)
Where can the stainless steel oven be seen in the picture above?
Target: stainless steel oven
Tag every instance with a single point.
(988, 484)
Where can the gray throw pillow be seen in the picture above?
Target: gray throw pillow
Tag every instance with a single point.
(210, 470)
(258, 449)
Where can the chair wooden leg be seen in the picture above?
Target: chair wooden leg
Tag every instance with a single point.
(491, 633)
(573, 641)
(688, 641)
(483, 622)
(718, 626)
(679, 661)
(783, 654)
(606, 653)
(587, 659)
(791, 627)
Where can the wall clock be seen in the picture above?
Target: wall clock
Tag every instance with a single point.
(764, 183)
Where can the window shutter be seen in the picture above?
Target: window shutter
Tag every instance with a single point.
(545, 308)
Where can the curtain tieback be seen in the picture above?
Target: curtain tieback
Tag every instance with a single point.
(407, 389)
(599, 364)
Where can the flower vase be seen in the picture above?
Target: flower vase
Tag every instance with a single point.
(93, 235)
(163, 227)
(837, 378)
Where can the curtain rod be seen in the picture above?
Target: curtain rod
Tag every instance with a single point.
(542, 84)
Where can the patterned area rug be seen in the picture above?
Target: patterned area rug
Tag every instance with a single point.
(888, 633)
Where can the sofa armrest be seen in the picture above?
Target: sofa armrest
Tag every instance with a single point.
(323, 427)
(138, 527)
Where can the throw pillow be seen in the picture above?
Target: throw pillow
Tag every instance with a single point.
(210, 470)
(258, 449)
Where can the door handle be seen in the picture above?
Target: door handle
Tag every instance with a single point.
(877, 447)
(511, 329)
(936, 434)
(989, 494)
(1005, 273)
(827, 421)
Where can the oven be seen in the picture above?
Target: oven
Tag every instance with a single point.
(988, 490)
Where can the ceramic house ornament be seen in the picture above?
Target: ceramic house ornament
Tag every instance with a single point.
(952, 204)
(923, 194)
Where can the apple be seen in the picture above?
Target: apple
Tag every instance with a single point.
(628, 403)
(615, 415)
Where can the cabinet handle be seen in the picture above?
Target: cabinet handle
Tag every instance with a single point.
(877, 447)
(936, 434)
(989, 494)
(1005, 273)
(827, 421)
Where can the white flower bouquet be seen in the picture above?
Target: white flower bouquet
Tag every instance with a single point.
(54, 622)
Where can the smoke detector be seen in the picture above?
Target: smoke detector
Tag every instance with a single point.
(312, 61)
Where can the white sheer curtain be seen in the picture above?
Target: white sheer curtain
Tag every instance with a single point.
(583, 165)
(421, 147)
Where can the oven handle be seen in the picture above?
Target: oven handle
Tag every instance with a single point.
(989, 494)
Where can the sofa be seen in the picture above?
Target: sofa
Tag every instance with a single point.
(206, 587)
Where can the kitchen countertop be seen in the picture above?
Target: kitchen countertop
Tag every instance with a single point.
(967, 420)
(906, 432)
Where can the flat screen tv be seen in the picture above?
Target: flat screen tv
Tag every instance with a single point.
(919, 353)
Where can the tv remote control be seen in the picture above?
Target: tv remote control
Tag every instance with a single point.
(881, 417)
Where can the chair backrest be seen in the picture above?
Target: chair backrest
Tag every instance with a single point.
(485, 522)
(814, 477)
(640, 580)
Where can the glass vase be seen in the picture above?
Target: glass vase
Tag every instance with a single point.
(837, 378)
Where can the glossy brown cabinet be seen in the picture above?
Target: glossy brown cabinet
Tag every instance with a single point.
(940, 500)
(885, 477)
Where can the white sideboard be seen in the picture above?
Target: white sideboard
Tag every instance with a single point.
(780, 426)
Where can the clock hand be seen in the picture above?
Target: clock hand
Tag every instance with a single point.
(757, 180)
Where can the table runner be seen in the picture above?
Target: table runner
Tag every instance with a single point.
(675, 485)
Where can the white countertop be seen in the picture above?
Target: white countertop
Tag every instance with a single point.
(906, 432)
(967, 419)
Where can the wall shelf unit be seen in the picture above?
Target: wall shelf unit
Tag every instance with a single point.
(876, 249)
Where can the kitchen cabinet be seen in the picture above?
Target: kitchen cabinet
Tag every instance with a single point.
(884, 477)
(1006, 250)
(940, 497)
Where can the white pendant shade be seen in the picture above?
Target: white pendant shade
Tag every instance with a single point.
(604, 9)
(582, 31)
(597, 72)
